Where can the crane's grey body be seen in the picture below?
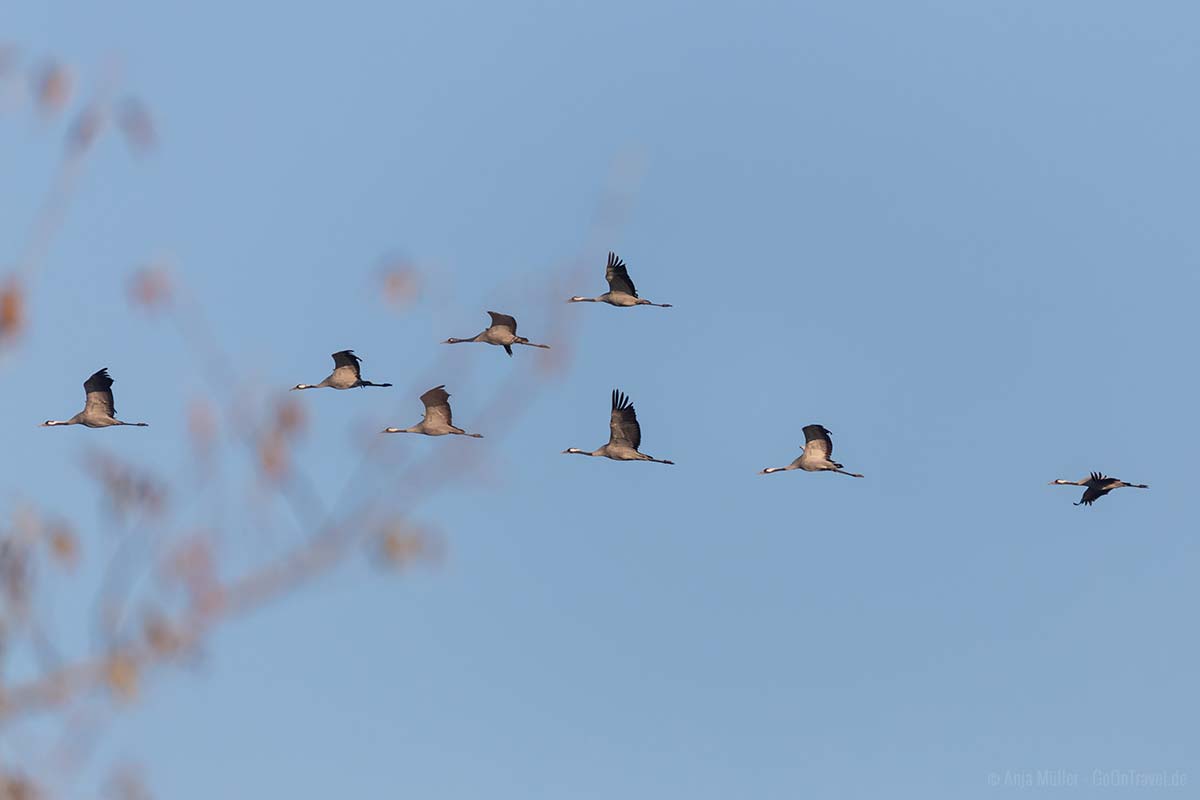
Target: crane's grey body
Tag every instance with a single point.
(98, 409)
(346, 374)
(1097, 485)
(502, 332)
(816, 456)
(438, 419)
(624, 435)
(621, 291)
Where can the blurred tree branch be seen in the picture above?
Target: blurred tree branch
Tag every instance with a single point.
(163, 593)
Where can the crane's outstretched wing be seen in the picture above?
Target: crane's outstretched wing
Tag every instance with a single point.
(346, 359)
(503, 321)
(1098, 485)
(437, 406)
(623, 426)
(99, 393)
(618, 276)
(817, 441)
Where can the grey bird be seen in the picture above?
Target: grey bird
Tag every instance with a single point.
(98, 410)
(621, 291)
(1097, 485)
(502, 332)
(624, 435)
(438, 420)
(818, 448)
(346, 374)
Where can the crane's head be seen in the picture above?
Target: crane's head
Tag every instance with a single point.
(49, 424)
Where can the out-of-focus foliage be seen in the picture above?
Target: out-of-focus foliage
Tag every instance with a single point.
(169, 577)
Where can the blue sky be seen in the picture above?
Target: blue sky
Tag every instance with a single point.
(960, 235)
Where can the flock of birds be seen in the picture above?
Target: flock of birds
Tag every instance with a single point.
(625, 432)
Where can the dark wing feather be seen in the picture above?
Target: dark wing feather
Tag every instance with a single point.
(618, 276)
(817, 441)
(503, 321)
(346, 358)
(623, 427)
(99, 393)
(437, 405)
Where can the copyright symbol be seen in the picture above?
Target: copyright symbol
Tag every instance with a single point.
(993, 779)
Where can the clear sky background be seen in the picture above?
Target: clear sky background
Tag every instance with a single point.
(961, 235)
